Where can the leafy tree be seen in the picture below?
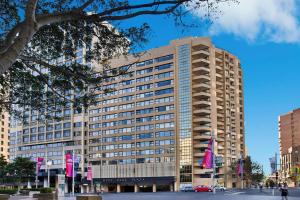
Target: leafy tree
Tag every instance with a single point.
(21, 169)
(257, 173)
(35, 34)
(253, 172)
(3, 164)
(270, 183)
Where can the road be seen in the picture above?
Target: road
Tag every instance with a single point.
(251, 194)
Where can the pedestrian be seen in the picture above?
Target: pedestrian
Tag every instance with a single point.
(284, 192)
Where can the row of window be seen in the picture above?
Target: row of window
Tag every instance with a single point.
(138, 136)
(134, 161)
(41, 146)
(51, 127)
(138, 152)
(129, 121)
(132, 97)
(41, 137)
(138, 80)
(128, 106)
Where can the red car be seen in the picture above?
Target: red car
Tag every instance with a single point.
(202, 188)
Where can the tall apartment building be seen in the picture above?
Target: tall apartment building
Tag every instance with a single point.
(151, 131)
(4, 138)
(289, 140)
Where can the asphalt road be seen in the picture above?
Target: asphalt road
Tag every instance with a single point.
(251, 194)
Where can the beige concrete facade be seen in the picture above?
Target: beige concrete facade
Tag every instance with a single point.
(289, 140)
(4, 135)
(151, 131)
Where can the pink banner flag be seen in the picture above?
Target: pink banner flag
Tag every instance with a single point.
(240, 167)
(207, 162)
(89, 173)
(69, 165)
(39, 163)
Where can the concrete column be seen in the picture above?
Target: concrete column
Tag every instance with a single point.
(118, 188)
(136, 188)
(176, 187)
(104, 188)
(45, 182)
(154, 188)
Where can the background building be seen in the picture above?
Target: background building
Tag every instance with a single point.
(151, 131)
(4, 131)
(289, 139)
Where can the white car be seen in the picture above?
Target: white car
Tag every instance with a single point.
(220, 188)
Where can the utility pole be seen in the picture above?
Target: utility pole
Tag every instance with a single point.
(213, 161)
(36, 176)
(242, 170)
(276, 170)
(73, 173)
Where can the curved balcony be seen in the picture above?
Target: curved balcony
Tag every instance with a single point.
(201, 102)
(199, 145)
(201, 85)
(202, 119)
(200, 60)
(201, 78)
(201, 171)
(201, 94)
(199, 69)
(201, 128)
(203, 52)
(201, 137)
(202, 111)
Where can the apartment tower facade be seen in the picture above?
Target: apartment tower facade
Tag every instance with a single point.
(289, 141)
(150, 133)
(4, 133)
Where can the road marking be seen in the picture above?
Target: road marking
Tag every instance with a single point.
(236, 193)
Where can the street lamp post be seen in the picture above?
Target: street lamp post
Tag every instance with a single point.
(49, 163)
(296, 168)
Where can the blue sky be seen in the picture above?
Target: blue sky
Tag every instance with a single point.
(269, 51)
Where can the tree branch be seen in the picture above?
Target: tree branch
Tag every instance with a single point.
(85, 5)
(44, 78)
(144, 12)
(25, 35)
(147, 5)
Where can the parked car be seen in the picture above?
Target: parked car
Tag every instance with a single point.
(220, 188)
(187, 189)
(202, 188)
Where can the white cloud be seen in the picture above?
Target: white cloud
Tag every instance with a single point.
(273, 20)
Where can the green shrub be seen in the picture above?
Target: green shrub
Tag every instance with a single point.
(46, 190)
(8, 191)
(32, 189)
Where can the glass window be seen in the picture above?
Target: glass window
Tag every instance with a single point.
(162, 67)
(77, 124)
(67, 133)
(164, 58)
(164, 83)
(164, 91)
(58, 126)
(57, 134)
(67, 125)
(41, 129)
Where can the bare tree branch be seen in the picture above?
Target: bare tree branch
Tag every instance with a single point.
(85, 5)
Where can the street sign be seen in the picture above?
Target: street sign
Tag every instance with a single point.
(61, 179)
(219, 160)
